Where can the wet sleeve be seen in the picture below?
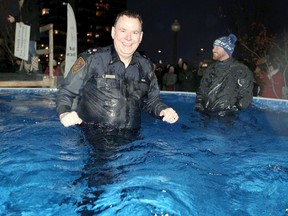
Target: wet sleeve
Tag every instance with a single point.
(245, 83)
(201, 91)
(152, 103)
(199, 99)
(199, 96)
(71, 86)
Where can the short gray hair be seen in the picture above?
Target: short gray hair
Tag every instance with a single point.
(131, 14)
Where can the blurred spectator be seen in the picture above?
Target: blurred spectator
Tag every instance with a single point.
(272, 80)
(186, 78)
(177, 68)
(169, 79)
(159, 74)
(29, 15)
(56, 70)
(260, 70)
(197, 79)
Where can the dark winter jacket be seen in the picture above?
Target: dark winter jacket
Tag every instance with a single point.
(225, 87)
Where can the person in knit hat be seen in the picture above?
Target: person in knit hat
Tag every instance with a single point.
(227, 43)
(227, 84)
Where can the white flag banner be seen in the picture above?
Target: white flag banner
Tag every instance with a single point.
(22, 38)
(71, 40)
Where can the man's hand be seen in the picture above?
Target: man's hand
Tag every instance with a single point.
(70, 118)
(169, 115)
(11, 19)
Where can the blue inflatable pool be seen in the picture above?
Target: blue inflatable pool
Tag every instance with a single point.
(199, 166)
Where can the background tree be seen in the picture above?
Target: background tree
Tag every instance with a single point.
(245, 18)
(248, 20)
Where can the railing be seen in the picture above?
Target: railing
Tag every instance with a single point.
(50, 52)
(46, 81)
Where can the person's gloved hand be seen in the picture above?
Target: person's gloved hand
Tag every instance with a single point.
(199, 107)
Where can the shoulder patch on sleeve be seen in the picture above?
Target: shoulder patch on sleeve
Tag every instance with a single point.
(78, 65)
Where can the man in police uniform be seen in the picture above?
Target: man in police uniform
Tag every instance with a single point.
(113, 84)
(226, 85)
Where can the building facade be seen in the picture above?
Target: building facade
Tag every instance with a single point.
(94, 20)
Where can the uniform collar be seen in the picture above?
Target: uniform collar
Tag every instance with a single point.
(115, 56)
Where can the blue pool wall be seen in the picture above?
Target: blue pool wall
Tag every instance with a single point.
(263, 103)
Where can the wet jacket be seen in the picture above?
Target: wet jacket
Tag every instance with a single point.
(110, 95)
(225, 87)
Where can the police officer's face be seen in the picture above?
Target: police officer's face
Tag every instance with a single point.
(219, 53)
(127, 35)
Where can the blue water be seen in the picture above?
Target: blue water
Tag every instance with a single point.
(198, 166)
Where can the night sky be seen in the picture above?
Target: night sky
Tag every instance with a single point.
(200, 26)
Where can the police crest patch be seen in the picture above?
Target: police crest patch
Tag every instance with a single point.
(78, 65)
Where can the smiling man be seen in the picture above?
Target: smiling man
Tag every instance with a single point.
(226, 85)
(113, 84)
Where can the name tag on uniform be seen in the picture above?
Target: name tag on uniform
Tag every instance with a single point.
(109, 76)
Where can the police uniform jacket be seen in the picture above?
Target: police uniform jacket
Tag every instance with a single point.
(226, 86)
(110, 95)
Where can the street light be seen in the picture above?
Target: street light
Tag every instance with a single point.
(175, 27)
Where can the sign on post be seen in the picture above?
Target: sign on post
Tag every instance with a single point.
(22, 37)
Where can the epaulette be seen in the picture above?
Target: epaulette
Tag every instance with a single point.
(85, 54)
(91, 51)
(82, 59)
(143, 55)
